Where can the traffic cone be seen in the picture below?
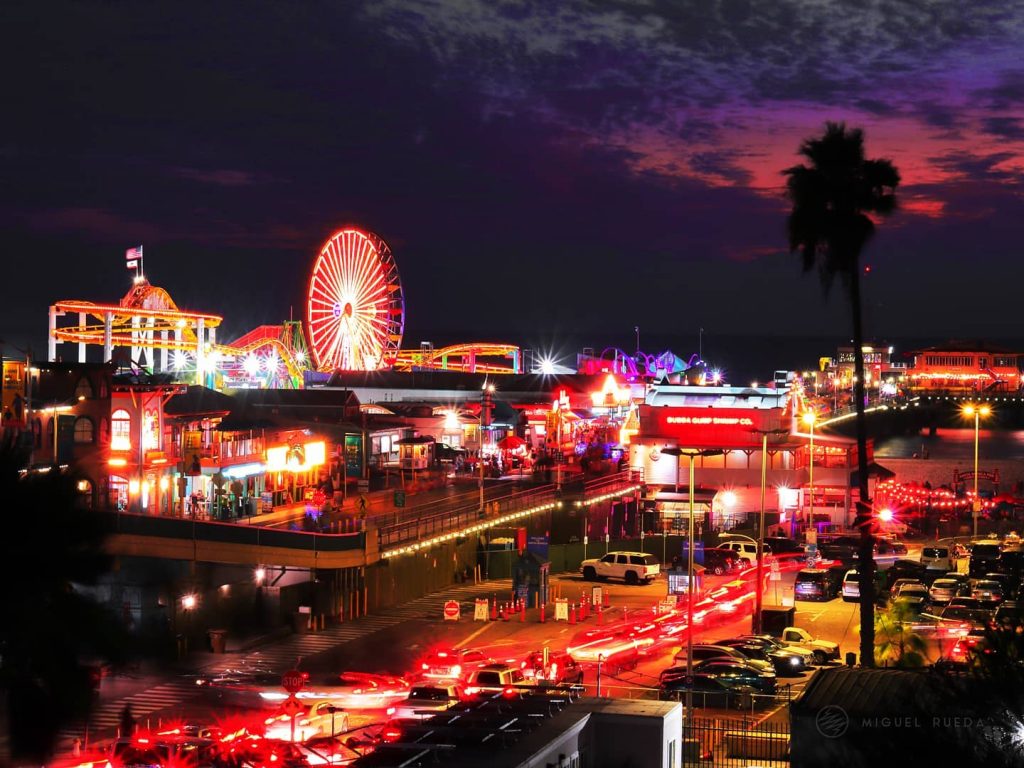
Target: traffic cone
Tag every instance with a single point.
(494, 610)
(600, 615)
(572, 614)
(522, 612)
(604, 597)
(505, 609)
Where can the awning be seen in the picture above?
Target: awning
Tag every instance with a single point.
(874, 470)
(511, 442)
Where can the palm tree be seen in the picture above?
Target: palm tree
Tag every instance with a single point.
(896, 643)
(51, 631)
(834, 199)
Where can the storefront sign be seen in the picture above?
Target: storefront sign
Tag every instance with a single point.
(296, 458)
(709, 427)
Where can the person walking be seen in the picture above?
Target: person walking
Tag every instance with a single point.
(127, 721)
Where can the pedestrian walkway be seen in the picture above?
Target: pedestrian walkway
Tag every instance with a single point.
(106, 718)
(276, 656)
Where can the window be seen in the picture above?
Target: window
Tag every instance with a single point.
(84, 430)
(83, 391)
(608, 559)
(120, 430)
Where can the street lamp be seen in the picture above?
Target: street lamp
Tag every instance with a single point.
(977, 411)
(759, 593)
(809, 418)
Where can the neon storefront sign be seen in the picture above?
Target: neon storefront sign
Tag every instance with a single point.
(717, 421)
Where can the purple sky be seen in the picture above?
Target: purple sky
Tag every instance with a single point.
(555, 167)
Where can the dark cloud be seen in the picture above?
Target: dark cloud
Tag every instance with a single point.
(567, 165)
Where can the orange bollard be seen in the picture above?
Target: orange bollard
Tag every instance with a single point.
(604, 597)
(600, 615)
(572, 614)
(542, 606)
(522, 612)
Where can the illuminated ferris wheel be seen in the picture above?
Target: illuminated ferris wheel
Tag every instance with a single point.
(355, 311)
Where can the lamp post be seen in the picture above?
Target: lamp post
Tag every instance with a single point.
(759, 593)
(977, 411)
(809, 418)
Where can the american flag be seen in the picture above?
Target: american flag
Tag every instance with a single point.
(133, 253)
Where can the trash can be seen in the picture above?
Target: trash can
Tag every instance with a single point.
(218, 640)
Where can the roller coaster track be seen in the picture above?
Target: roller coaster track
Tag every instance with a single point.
(465, 358)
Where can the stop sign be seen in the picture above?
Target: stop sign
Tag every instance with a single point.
(451, 610)
(293, 680)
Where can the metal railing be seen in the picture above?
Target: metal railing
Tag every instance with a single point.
(731, 744)
(229, 533)
(441, 516)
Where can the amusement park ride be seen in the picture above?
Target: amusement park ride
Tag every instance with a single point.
(354, 321)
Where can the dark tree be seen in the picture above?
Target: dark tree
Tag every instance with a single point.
(51, 634)
(835, 197)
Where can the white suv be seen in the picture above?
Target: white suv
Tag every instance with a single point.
(631, 567)
(746, 550)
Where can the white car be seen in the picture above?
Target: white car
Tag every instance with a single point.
(452, 664)
(746, 550)
(851, 586)
(426, 700)
(824, 650)
(321, 719)
(631, 567)
(350, 690)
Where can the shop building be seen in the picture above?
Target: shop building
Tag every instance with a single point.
(724, 431)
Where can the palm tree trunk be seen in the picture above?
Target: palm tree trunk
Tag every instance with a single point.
(866, 560)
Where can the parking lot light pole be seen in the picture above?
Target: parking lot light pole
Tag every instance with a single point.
(977, 411)
(757, 623)
(690, 454)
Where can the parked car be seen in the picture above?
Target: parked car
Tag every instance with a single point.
(985, 557)
(741, 673)
(987, 592)
(746, 550)
(1008, 582)
(719, 561)
(817, 584)
(785, 662)
(936, 558)
(780, 545)
(451, 663)
(809, 655)
(322, 718)
(493, 678)
(903, 569)
(943, 590)
(707, 691)
(912, 594)
(631, 567)
(426, 699)
(824, 650)
(561, 669)
(1009, 613)
(1011, 562)
(705, 651)
(851, 586)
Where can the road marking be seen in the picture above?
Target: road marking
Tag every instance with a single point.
(474, 635)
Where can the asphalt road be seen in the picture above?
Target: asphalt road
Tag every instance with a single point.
(397, 649)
